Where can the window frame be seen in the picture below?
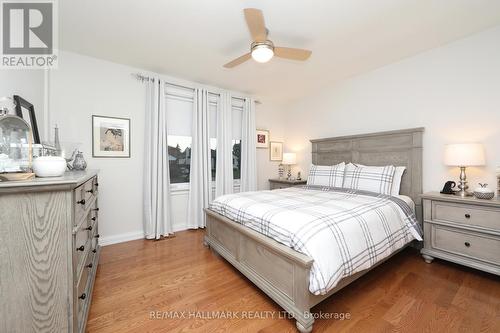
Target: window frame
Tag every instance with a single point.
(187, 93)
(181, 93)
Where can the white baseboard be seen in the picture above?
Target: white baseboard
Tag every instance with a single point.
(120, 238)
(129, 236)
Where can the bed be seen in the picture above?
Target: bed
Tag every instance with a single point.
(283, 273)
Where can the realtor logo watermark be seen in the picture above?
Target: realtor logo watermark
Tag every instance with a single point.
(29, 34)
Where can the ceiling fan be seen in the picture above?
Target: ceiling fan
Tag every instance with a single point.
(262, 49)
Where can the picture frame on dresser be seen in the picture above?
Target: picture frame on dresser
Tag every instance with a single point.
(26, 110)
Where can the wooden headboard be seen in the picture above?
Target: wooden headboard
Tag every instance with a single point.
(398, 148)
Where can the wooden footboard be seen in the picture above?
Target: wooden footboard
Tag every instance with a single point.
(279, 271)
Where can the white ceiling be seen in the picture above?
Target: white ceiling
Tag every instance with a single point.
(192, 39)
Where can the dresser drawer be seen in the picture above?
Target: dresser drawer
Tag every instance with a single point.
(85, 196)
(82, 290)
(82, 244)
(484, 217)
(79, 204)
(476, 246)
(90, 189)
(95, 238)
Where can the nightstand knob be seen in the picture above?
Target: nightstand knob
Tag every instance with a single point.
(467, 244)
(467, 216)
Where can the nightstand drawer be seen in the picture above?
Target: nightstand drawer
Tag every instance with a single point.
(481, 247)
(279, 186)
(485, 217)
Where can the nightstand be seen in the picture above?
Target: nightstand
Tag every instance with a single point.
(463, 230)
(275, 184)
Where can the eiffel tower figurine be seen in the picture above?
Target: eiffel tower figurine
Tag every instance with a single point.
(57, 143)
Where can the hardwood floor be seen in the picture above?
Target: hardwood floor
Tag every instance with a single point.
(138, 278)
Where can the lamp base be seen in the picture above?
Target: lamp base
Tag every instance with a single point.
(463, 187)
(464, 194)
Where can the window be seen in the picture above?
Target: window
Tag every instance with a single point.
(236, 159)
(213, 99)
(179, 103)
(179, 158)
(237, 119)
(237, 112)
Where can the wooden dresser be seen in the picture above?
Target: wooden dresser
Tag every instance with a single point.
(462, 230)
(49, 252)
(275, 184)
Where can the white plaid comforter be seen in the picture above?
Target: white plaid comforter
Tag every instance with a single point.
(344, 231)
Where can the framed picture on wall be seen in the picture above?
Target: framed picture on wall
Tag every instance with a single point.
(276, 151)
(262, 139)
(110, 136)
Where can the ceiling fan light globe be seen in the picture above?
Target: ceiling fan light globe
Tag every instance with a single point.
(262, 53)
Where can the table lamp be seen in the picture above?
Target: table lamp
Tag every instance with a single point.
(463, 155)
(289, 159)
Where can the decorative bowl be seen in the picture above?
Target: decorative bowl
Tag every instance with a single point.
(483, 192)
(49, 166)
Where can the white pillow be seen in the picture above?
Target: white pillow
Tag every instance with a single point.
(326, 175)
(369, 178)
(396, 184)
(398, 176)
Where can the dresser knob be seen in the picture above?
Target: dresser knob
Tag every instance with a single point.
(96, 184)
(467, 244)
(81, 202)
(97, 236)
(94, 251)
(96, 209)
(83, 296)
(90, 265)
(93, 219)
(90, 191)
(81, 248)
(89, 228)
(467, 216)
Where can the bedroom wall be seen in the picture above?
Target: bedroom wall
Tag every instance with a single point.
(83, 86)
(80, 87)
(453, 91)
(269, 116)
(29, 84)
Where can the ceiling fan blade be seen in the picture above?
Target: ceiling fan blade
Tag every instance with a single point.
(256, 24)
(238, 61)
(291, 53)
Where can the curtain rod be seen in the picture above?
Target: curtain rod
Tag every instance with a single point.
(142, 77)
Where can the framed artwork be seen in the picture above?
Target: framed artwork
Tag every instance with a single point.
(26, 110)
(262, 139)
(110, 136)
(276, 151)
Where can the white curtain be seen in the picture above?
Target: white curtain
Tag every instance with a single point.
(248, 149)
(224, 164)
(200, 174)
(157, 205)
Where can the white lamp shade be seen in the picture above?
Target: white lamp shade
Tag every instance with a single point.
(289, 158)
(464, 154)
